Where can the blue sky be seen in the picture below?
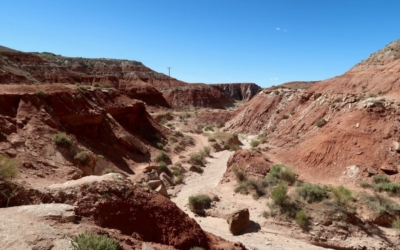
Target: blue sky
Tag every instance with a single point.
(211, 41)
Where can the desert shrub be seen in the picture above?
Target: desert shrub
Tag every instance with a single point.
(160, 145)
(161, 156)
(239, 173)
(82, 88)
(302, 219)
(209, 128)
(178, 133)
(82, 157)
(197, 169)
(173, 138)
(41, 93)
(97, 85)
(342, 195)
(163, 121)
(178, 177)
(254, 143)
(292, 112)
(250, 186)
(233, 147)
(281, 172)
(9, 167)
(364, 184)
(94, 242)
(262, 137)
(196, 248)
(380, 178)
(62, 140)
(276, 92)
(396, 225)
(380, 204)
(312, 193)
(207, 150)
(320, 123)
(164, 168)
(197, 158)
(279, 193)
(109, 170)
(201, 201)
(389, 187)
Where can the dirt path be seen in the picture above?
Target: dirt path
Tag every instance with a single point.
(208, 182)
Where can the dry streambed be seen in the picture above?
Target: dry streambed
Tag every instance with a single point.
(260, 236)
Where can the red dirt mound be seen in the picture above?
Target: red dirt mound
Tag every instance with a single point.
(139, 213)
(253, 163)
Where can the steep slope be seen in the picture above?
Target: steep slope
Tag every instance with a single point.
(239, 91)
(196, 96)
(361, 133)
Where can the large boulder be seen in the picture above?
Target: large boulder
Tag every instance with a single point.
(238, 221)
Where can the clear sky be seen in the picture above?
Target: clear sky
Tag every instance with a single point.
(213, 41)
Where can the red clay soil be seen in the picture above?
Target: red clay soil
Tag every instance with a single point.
(196, 96)
(97, 121)
(361, 129)
(253, 163)
(142, 214)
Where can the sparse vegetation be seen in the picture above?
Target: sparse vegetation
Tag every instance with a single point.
(164, 168)
(209, 128)
(201, 201)
(342, 196)
(312, 192)
(254, 143)
(380, 204)
(82, 88)
(196, 248)
(281, 173)
(9, 167)
(279, 193)
(239, 173)
(161, 156)
(276, 92)
(94, 242)
(82, 157)
(320, 123)
(302, 219)
(41, 93)
(62, 140)
(197, 169)
(160, 145)
(396, 225)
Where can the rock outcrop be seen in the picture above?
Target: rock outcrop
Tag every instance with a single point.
(196, 96)
(239, 91)
(239, 221)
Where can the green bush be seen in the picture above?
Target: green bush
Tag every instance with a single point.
(279, 194)
(380, 204)
(342, 195)
(209, 128)
(388, 187)
(109, 170)
(62, 140)
(9, 167)
(94, 242)
(302, 219)
(41, 93)
(320, 123)
(276, 92)
(239, 173)
(396, 225)
(197, 169)
(197, 158)
(281, 172)
(380, 178)
(161, 156)
(82, 157)
(312, 193)
(201, 201)
(207, 150)
(160, 145)
(196, 248)
(254, 143)
(250, 186)
(164, 168)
